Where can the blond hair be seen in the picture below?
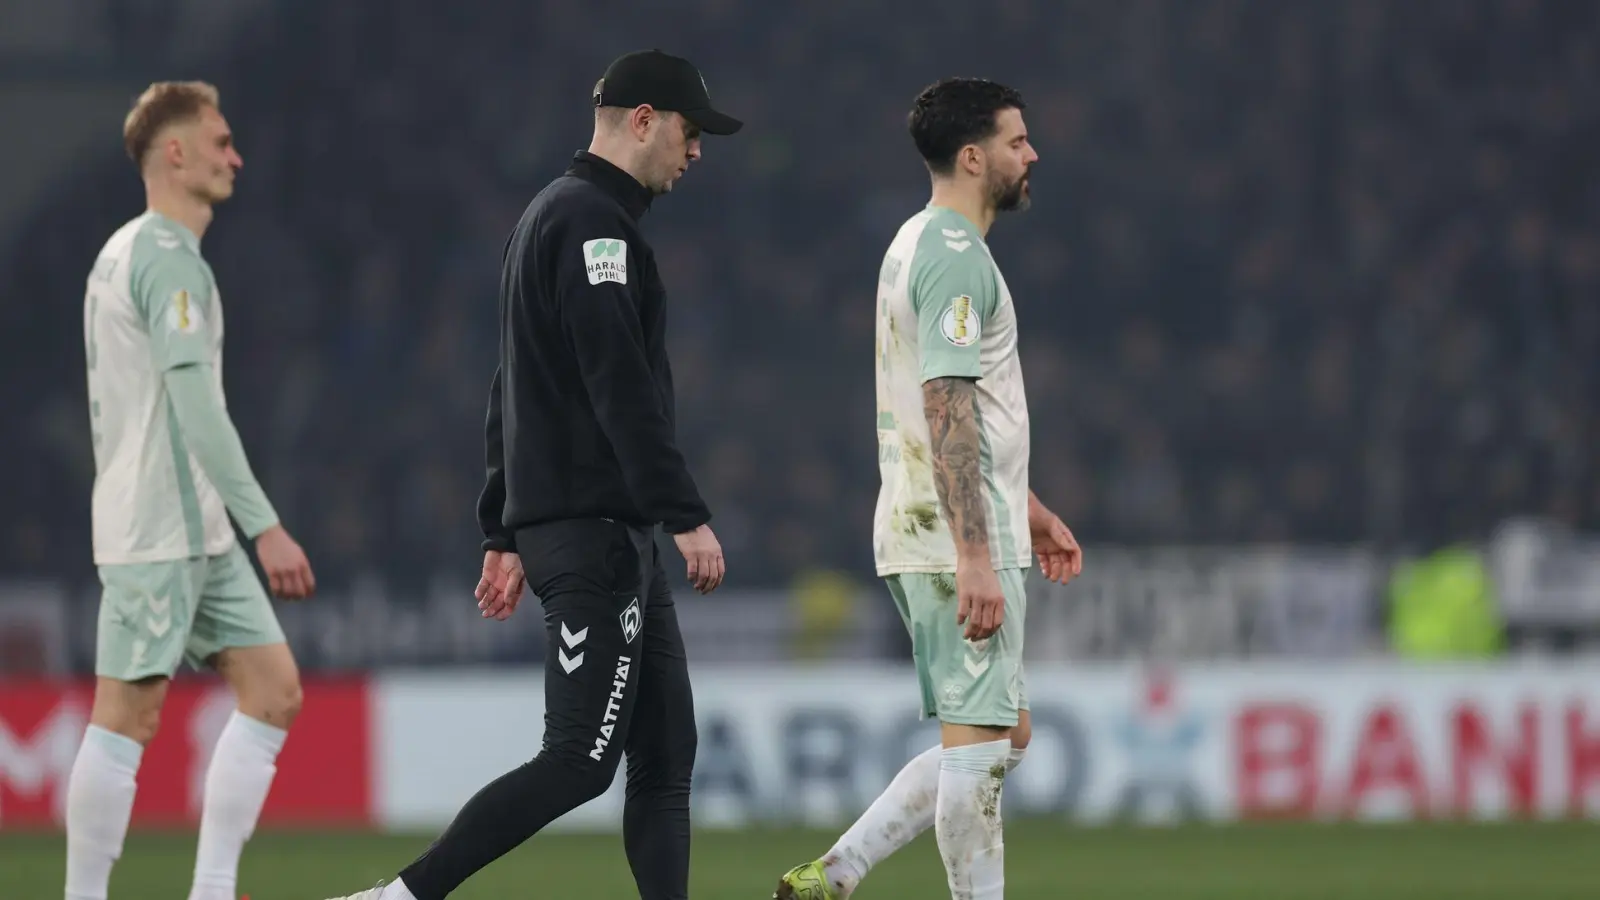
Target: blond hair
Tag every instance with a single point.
(164, 103)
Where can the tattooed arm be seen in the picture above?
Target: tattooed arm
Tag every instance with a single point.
(950, 403)
(951, 407)
(955, 295)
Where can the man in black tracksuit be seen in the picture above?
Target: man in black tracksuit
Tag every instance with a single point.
(583, 465)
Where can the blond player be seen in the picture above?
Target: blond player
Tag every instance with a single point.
(169, 470)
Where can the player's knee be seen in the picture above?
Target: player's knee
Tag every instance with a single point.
(679, 750)
(588, 763)
(131, 709)
(593, 777)
(274, 698)
(289, 700)
(279, 703)
(667, 763)
(595, 781)
(140, 724)
(276, 703)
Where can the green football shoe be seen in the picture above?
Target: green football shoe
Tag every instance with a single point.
(807, 882)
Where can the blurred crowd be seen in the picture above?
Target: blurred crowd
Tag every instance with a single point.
(1319, 272)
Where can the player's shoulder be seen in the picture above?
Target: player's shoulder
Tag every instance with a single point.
(946, 234)
(122, 242)
(155, 241)
(947, 246)
(163, 256)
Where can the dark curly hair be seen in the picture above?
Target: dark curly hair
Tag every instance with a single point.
(955, 112)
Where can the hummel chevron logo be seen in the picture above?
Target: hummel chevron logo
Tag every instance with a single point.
(977, 659)
(570, 664)
(160, 619)
(953, 232)
(958, 246)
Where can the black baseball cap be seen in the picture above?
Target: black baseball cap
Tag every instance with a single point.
(665, 82)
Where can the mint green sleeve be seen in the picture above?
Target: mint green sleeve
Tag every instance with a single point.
(955, 295)
(172, 288)
(211, 437)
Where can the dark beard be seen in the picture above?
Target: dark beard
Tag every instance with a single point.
(1010, 197)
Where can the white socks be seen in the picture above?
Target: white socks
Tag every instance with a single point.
(904, 810)
(99, 803)
(396, 891)
(237, 782)
(967, 819)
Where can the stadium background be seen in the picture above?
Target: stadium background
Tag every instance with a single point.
(1311, 346)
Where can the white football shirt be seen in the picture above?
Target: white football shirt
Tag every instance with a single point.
(151, 305)
(944, 310)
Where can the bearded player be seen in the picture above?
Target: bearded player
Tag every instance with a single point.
(169, 469)
(956, 526)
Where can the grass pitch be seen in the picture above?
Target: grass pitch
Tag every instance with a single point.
(1044, 861)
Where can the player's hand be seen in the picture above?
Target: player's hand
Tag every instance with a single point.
(704, 555)
(981, 602)
(1060, 557)
(288, 571)
(500, 587)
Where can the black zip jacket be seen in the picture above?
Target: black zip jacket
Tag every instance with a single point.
(581, 412)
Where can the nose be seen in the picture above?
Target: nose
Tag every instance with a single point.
(235, 160)
(694, 150)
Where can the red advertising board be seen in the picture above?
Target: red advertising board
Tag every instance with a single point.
(323, 772)
(1541, 755)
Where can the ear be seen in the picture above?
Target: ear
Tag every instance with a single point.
(970, 159)
(642, 119)
(172, 150)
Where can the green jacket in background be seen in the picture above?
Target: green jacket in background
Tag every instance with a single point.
(1443, 606)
